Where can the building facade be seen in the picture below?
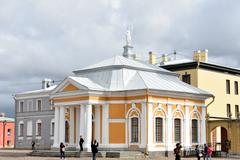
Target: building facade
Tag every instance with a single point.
(6, 132)
(124, 104)
(33, 119)
(223, 83)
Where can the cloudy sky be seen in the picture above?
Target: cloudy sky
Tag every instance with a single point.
(45, 38)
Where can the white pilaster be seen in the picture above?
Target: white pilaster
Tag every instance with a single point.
(203, 126)
(186, 140)
(169, 128)
(56, 127)
(62, 124)
(150, 126)
(71, 140)
(143, 126)
(82, 122)
(77, 125)
(105, 125)
(97, 123)
(88, 135)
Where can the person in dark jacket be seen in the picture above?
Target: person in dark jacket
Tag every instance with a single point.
(81, 141)
(205, 151)
(62, 150)
(33, 145)
(177, 151)
(197, 152)
(94, 145)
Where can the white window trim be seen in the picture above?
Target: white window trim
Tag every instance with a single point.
(37, 105)
(37, 134)
(181, 125)
(130, 130)
(19, 133)
(19, 106)
(163, 129)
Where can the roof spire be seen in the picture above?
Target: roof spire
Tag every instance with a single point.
(128, 47)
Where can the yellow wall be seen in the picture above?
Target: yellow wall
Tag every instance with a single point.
(116, 111)
(193, 73)
(215, 82)
(117, 133)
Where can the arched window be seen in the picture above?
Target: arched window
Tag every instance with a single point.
(194, 131)
(159, 129)
(134, 130)
(39, 128)
(21, 128)
(177, 130)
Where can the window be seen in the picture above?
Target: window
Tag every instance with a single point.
(228, 110)
(194, 131)
(9, 132)
(237, 111)
(177, 131)
(236, 87)
(29, 128)
(21, 106)
(30, 106)
(186, 78)
(52, 128)
(8, 143)
(21, 127)
(39, 129)
(159, 129)
(39, 105)
(228, 86)
(134, 130)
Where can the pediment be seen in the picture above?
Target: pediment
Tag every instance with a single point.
(69, 85)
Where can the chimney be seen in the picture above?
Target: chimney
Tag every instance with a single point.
(2, 115)
(152, 58)
(200, 55)
(46, 83)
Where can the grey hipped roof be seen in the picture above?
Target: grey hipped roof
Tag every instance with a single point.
(123, 74)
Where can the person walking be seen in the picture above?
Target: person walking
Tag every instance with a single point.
(198, 153)
(94, 145)
(209, 152)
(62, 150)
(33, 145)
(205, 152)
(177, 151)
(81, 141)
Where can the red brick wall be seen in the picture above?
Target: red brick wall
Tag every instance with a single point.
(7, 137)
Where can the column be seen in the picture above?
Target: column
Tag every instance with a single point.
(150, 126)
(71, 140)
(62, 124)
(88, 135)
(56, 127)
(203, 126)
(169, 128)
(82, 117)
(77, 125)
(143, 126)
(97, 123)
(187, 136)
(105, 125)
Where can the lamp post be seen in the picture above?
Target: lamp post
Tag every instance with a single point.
(4, 124)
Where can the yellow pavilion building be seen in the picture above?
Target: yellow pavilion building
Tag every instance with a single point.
(127, 104)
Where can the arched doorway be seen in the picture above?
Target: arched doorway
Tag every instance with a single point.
(219, 136)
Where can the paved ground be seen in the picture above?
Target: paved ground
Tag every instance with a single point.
(44, 158)
(21, 155)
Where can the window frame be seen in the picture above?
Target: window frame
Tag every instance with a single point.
(155, 129)
(38, 131)
(131, 130)
(228, 110)
(21, 129)
(237, 111)
(228, 86)
(197, 130)
(236, 87)
(186, 78)
(180, 138)
(37, 109)
(21, 107)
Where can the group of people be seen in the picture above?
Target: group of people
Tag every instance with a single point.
(206, 153)
(94, 147)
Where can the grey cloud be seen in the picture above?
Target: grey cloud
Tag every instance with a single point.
(51, 38)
